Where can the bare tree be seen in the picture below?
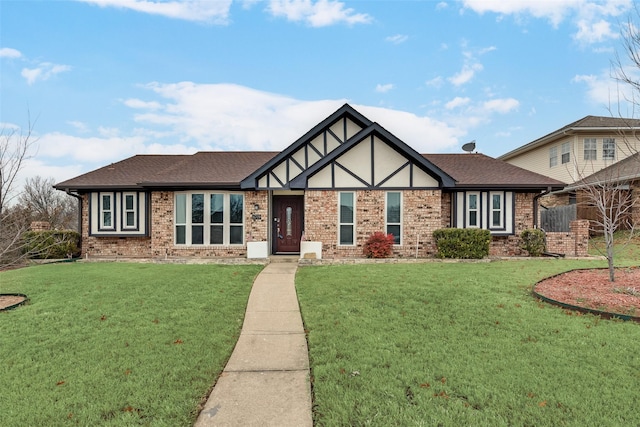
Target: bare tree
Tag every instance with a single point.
(15, 147)
(44, 203)
(609, 195)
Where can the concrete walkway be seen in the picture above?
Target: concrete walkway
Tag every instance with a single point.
(266, 381)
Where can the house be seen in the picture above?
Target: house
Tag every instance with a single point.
(577, 152)
(578, 149)
(345, 179)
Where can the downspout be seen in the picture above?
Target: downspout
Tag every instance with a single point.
(535, 206)
(68, 191)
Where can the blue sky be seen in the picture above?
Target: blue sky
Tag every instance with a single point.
(102, 80)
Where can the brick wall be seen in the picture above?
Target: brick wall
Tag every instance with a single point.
(510, 245)
(160, 242)
(573, 244)
(129, 247)
(421, 215)
(423, 212)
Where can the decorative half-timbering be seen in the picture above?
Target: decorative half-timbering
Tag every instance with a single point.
(345, 179)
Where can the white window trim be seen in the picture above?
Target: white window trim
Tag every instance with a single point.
(352, 224)
(468, 210)
(613, 142)
(135, 210)
(565, 148)
(592, 150)
(102, 211)
(226, 224)
(553, 157)
(500, 226)
(386, 211)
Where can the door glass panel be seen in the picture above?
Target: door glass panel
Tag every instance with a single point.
(289, 225)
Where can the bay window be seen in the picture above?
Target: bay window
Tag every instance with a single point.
(209, 218)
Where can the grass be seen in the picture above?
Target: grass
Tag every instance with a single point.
(462, 344)
(116, 344)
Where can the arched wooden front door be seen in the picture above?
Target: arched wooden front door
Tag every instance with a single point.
(288, 220)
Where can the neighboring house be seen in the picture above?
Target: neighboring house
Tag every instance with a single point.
(343, 180)
(576, 152)
(579, 149)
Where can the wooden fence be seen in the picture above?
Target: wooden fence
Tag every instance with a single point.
(558, 218)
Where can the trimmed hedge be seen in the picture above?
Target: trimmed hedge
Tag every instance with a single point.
(51, 244)
(533, 241)
(462, 243)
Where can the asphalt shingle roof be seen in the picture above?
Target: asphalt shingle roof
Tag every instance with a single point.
(479, 170)
(228, 168)
(202, 168)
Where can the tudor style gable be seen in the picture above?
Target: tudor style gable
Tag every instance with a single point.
(346, 150)
(308, 150)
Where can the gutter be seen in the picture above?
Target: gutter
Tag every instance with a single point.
(68, 191)
(535, 206)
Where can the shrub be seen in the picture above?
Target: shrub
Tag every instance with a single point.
(51, 244)
(533, 241)
(378, 245)
(462, 243)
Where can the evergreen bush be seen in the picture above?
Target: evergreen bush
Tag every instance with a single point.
(533, 241)
(51, 244)
(462, 243)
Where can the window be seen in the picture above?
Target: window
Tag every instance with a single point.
(473, 209)
(608, 148)
(223, 225)
(394, 216)
(590, 149)
(489, 210)
(553, 156)
(106, 212)
(497, 210)
(347, 219)
(565, 150)
(130, 211)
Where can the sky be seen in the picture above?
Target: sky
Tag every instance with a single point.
(98, 81)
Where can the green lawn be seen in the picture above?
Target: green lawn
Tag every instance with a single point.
(462, 344)
(117, 344)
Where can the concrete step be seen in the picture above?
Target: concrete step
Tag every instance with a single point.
(284, 258)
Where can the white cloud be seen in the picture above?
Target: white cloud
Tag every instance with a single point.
(435, 82)
(442, 5)
(384, 88)
(593, 32)
(466, 74)
(101, 150)
(209, 11)
(43, 71)
(457, 102)
(397, 39)
(604, 91)
(7, 52)
(590, 18)
(232, 117)
(555, 11)
(502, 105)
(321, 13)
(137, 103)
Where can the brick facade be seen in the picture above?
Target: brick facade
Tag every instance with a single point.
(574, 243)
(423, 212)
(421, 215)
